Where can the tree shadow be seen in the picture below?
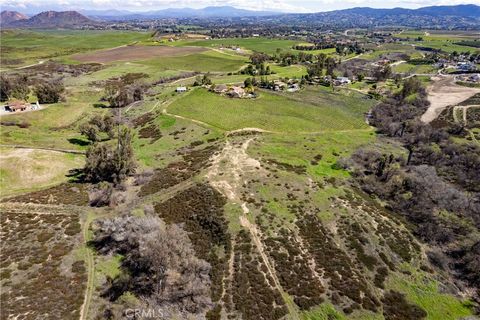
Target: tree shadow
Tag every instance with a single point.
(100, 105)
(76, 176)
(78, 142)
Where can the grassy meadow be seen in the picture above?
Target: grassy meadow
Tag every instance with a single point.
(273, 112)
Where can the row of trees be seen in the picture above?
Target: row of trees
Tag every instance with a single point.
(19, 87)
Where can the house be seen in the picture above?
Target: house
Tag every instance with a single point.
(236, 92)
(466, 66)
(181, 89)
(342, 80)
(474, 78)
(17, 105)
(294, 87)
(220, 88)
(279, 85)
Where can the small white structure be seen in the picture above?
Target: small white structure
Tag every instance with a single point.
(342, 80)
(294, 87)
(181, 89)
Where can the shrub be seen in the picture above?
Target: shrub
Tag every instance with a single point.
(49, 92)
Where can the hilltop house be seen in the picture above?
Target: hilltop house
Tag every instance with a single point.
(17, 105)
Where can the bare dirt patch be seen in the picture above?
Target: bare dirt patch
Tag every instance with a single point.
(444, 92)
(129, 53)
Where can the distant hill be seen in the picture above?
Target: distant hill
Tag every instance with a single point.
(208, 12)
(7, 17)
(53, 19)
(446, 17)
(460, 16)
(468, 10)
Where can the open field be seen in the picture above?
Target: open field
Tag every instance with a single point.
(128, 53)
(278, 113)
(39, 169)
(254, 44)
(21, 48)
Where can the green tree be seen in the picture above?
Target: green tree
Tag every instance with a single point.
(111, 162)
(49, 92)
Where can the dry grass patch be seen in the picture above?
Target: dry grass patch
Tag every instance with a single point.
(30, 169)
(130, 53)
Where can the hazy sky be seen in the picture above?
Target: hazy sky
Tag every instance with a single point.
(271, 5)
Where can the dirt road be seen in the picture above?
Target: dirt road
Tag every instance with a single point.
(226, 175)
(443, 93)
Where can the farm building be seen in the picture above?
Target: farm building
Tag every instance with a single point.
(236, 92)
(342, 80)
(181, 89)
(17, 105)
(220, 88)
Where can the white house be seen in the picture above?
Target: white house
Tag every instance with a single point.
(342, 80)
(181, 89)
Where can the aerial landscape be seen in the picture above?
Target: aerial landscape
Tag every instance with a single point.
(271, 159)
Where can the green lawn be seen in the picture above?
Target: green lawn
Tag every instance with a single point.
(319, 111)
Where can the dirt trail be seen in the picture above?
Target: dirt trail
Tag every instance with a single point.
(16, 146)
(464, 110)
(225, 175)
(443, 93)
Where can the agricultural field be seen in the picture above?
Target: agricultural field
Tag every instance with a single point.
(21, 48)
(445, 41)
(257, 200)
(320, 111)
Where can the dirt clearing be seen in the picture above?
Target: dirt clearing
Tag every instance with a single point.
(444, 92)
(131, 53)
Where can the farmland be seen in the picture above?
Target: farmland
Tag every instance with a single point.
(271, 198)
(276, 113)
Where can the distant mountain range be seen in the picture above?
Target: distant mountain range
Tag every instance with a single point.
(208, 12)
(356, 17)
(47, 19)
(7, 17)
(427, 17)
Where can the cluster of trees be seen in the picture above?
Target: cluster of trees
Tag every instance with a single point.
(203, 81)
(161, 267)
(258, 58)
(435, 186)
(322, 63)
(111, 162)
(18, 87)
(256, 70)
(344, 49)
(96, 125)
(125, 90)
